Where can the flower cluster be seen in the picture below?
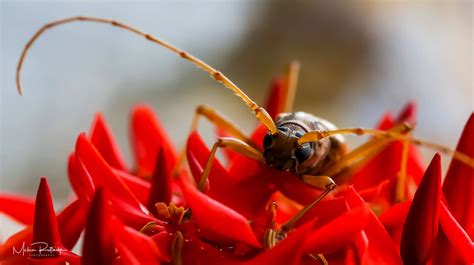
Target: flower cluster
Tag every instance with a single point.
(150, 214)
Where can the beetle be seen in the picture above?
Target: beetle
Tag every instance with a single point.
(301, 143)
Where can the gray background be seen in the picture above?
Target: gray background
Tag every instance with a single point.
(359, 59)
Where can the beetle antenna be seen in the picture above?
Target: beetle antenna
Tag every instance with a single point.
(260, 113)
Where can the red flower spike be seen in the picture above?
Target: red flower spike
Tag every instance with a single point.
(160, 190)
(99, 245)
(275, 101)
(45, 225)
(103, 140)
(147, 139)
(17, 207)
(373, 243)
(217, 221)
(421, 226)
(81, 181)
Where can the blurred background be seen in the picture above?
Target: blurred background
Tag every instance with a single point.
(359, 59)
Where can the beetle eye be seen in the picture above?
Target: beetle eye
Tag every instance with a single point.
(298, 134)
(267, 141)
(303, 152)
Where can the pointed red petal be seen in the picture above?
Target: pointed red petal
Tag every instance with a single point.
(137, 247)
(396, 215)
(17, 207)
(125, 204)
(217, 221)
(147, 139)
(408, 113)
(373, 243)
(459, 240)
(81, 181)
(247, 194)
(103, 140)
(286, 251)
(421, 226)
(458, 187)
(138, 186)
(71, 222)
(386, 122)
(99, 244)
(338, 233)
(161, 182)
(275, 99)
(45, 225)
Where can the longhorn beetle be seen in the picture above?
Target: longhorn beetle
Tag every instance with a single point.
(310, 147)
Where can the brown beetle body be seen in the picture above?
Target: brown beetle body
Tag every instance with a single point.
(284, 153)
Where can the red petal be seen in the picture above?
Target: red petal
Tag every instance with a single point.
(338, 233)
(386, 122)
(139, 187)
(408, 113)
(71, 222)
(275, 99)
(373, 243)
(248, 194)
(147, 139)
(103, 140)
(137, 247)
(80, 179)
(99, 245)
(396, 215)
(125, 204)
(421, 226)
(45, 225)
(17, 207)
(217, 221)
(458, 187)
(161, 182)
(287, 251)
(459, 240)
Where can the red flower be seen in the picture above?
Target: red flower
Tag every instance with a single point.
(142, 214)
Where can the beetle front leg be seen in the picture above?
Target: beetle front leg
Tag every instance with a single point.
(234, 144)
(322, 182)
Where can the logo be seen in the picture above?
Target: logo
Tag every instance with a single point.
(38, 249)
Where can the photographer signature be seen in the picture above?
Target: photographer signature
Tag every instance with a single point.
(38, 249)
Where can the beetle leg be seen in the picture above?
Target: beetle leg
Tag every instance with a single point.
(362, 153)
(221, 122)
(234, 144)
(321, 182)
(393, 136)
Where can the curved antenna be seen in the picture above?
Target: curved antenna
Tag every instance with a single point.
(318, 135)
(259, 112)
